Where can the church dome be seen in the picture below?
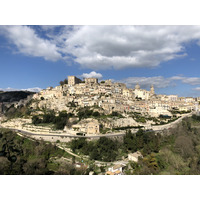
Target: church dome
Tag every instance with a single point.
(137, 86)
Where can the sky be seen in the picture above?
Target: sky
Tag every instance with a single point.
(36, 57)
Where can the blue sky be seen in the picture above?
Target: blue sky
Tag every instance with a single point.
(41, 56)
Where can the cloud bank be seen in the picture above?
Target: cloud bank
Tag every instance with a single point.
(36, 89)
(104, 47)
(29, 43)
(160, 81)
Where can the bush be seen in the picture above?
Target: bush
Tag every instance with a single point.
(59, 121)
(195, 117)
(96, 114)
(36, 120)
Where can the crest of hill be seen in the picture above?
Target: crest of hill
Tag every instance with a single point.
(14, 95)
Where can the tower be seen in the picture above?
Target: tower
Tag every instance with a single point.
(72, 80)
(152, 92)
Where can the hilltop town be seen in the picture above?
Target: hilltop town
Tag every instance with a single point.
(111, 97)
(81, 116)
(137, 107)
(104, 107)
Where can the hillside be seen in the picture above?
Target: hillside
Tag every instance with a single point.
(14, 96)
(22, 156)
(176, 152)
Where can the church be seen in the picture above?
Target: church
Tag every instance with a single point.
(143, 94)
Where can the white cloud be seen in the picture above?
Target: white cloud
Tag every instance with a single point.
(160, 81)
(105, 47)
(197, 88)
(146, 82)
(36, 89)
(192, 80)
(92, 74)
(187, 80)
(29, 43)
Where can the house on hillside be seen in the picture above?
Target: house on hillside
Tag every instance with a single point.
(92, 127)
(115, 170)
(134, 156)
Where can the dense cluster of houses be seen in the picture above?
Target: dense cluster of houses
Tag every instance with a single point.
(111, 97)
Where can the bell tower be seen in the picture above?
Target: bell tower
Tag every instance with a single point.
(152, 90)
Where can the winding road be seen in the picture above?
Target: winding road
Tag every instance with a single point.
(158, 128)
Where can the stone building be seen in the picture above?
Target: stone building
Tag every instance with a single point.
(73, 80)
(127, 93)
(92, 127)
(172, 97)
(115, 170)
(134, 156)
(91, 80)
(140, 93)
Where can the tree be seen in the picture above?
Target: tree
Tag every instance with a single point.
(65, 81)
(36, 120)
(130, 141)
(184, 146)
(61, 83)
(94, 155)
(78, 144)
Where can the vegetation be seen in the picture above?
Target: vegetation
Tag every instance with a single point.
(148, 142)
(139, 118)
(177, 151)
(21, 156)
(107, 150)
(166, 122)
(13, 112)
(59, 121)
(179, 112)
(103, 149)
(87, 112)
(84, 113)
(196, 117)
(63, 82)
